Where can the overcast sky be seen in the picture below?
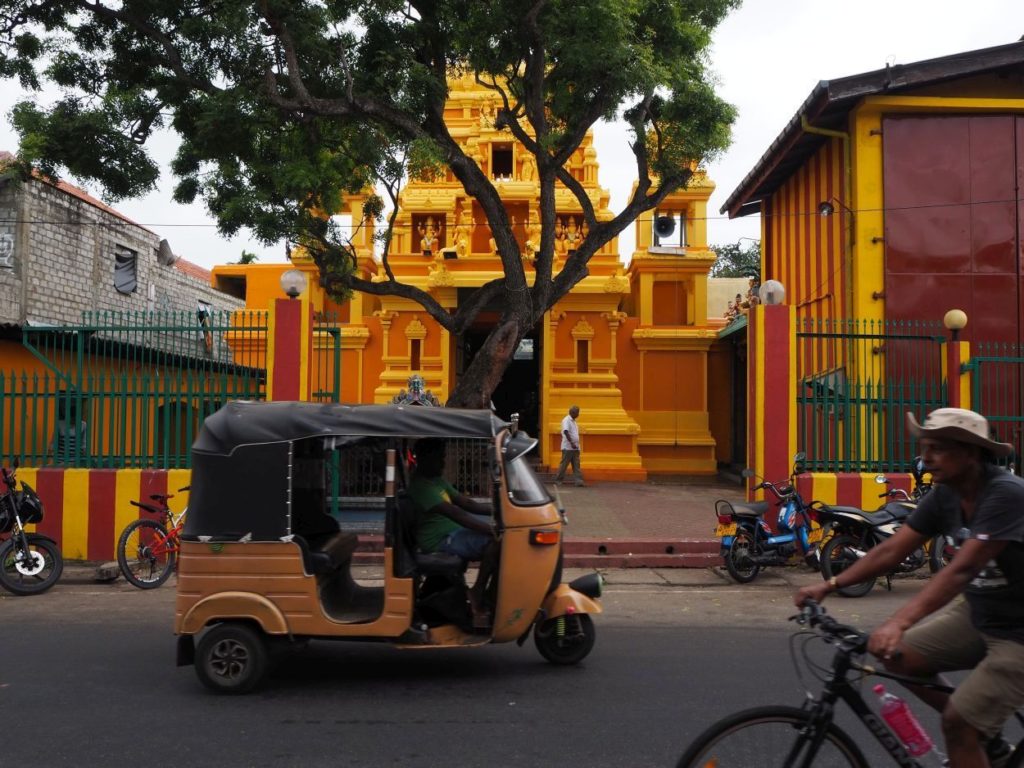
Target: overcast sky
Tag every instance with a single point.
(768, 55)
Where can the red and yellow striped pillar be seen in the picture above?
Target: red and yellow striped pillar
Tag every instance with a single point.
(771, 382)
(290, 339)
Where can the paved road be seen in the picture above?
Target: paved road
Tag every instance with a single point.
(88, 671)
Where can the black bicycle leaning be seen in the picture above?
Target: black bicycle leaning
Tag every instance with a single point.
(800, 737)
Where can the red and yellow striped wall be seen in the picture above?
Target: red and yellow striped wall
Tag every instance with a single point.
(852, 489)
(802, 249)
(85, 510)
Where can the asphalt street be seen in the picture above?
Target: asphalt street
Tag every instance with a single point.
(89, 671)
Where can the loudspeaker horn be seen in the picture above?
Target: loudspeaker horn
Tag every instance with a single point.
(664, 226)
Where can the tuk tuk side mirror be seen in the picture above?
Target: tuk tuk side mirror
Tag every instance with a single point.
(881, 479)
(747, 472)
(560, 506)
(798, 458)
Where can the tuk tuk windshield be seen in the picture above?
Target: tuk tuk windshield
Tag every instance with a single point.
(523, 486)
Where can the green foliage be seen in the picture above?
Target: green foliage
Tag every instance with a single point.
(248, 258)
(735, 261)
(284, 106)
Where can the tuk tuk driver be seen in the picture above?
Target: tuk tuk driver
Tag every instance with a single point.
(451, 522)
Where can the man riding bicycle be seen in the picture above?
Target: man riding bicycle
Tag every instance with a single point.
(982, 507)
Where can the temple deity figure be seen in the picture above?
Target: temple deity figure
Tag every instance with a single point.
(462, 235)
(529, 172)
(560, 238)
(572, 235)
(429, 241)
(532, 236)
(487, 114)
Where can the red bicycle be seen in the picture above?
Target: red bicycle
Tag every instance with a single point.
(147, 551)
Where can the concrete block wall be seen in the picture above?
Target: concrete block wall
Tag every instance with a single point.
(61, 261)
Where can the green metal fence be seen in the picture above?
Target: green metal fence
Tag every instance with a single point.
(997, 391)
(129, 389)
(325, 368)
(856, 380)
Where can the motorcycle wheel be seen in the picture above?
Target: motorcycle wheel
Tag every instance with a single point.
(569, 644)
(940, 552)
(36, 572)
(737, 557)
(837, 556)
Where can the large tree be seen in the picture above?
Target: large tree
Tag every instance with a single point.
(282, 106)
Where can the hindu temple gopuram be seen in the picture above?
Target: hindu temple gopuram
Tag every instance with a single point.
(632, 344)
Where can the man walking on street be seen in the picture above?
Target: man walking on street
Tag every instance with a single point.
(570, 447)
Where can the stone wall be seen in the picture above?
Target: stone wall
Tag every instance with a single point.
(57, 256)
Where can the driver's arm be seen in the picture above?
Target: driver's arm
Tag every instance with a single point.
(463, 501)
(465, 518)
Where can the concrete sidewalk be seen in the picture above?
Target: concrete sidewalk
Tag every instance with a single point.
(663, 523)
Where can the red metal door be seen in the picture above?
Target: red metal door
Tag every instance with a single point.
(953, 221)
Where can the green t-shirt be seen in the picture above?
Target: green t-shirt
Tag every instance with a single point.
(431, 527)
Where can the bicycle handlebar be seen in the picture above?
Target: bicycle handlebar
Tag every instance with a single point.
(814, 614)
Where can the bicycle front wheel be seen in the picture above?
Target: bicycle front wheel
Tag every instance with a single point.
(145, 555)
(771, 737)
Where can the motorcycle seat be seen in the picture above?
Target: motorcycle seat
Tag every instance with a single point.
(884, 515)
(751, 509)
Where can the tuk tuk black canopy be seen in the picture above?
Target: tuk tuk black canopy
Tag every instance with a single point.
(246, 423)
(242, 480)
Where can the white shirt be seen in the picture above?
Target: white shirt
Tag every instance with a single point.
(572, 443)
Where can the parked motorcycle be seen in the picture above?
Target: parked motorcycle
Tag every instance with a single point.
(30, 563)
(854, 531)
(748, 542)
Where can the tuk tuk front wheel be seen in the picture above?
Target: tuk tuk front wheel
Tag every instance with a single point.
(565, 639)
(231, 658)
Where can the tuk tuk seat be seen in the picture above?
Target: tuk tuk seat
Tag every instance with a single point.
(327, 553)
(425, 563)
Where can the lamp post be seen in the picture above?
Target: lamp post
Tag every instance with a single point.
(955, 321)
(293, 283)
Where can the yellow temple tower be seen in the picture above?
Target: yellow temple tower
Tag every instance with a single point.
(629, 345)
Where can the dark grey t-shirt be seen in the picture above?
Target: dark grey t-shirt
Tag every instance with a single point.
(996, 594)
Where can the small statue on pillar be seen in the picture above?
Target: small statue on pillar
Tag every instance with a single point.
(418, 394)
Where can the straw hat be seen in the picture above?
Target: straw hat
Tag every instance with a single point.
(958, 424)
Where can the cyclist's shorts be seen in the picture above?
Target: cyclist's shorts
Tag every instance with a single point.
(994, 689)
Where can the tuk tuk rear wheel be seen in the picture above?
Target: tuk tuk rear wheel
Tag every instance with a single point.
(565, 639)
(231, 658)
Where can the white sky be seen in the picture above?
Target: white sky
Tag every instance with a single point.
(768, 56)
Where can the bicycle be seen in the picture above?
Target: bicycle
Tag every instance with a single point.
(804, 736)
(147, 550)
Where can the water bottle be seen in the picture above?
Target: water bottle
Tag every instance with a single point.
(898, 716)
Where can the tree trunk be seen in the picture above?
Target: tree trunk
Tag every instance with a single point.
(478, 382)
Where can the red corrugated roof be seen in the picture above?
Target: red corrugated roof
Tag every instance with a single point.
(193, 270)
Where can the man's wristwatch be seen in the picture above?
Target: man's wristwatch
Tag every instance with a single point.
(833, 583)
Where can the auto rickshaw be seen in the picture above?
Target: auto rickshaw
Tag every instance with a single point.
(265, 564)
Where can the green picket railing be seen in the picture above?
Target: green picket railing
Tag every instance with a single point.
(997, 392)
(856, 380)
(129, 389)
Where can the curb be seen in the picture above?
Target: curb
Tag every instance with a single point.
(600, 553)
